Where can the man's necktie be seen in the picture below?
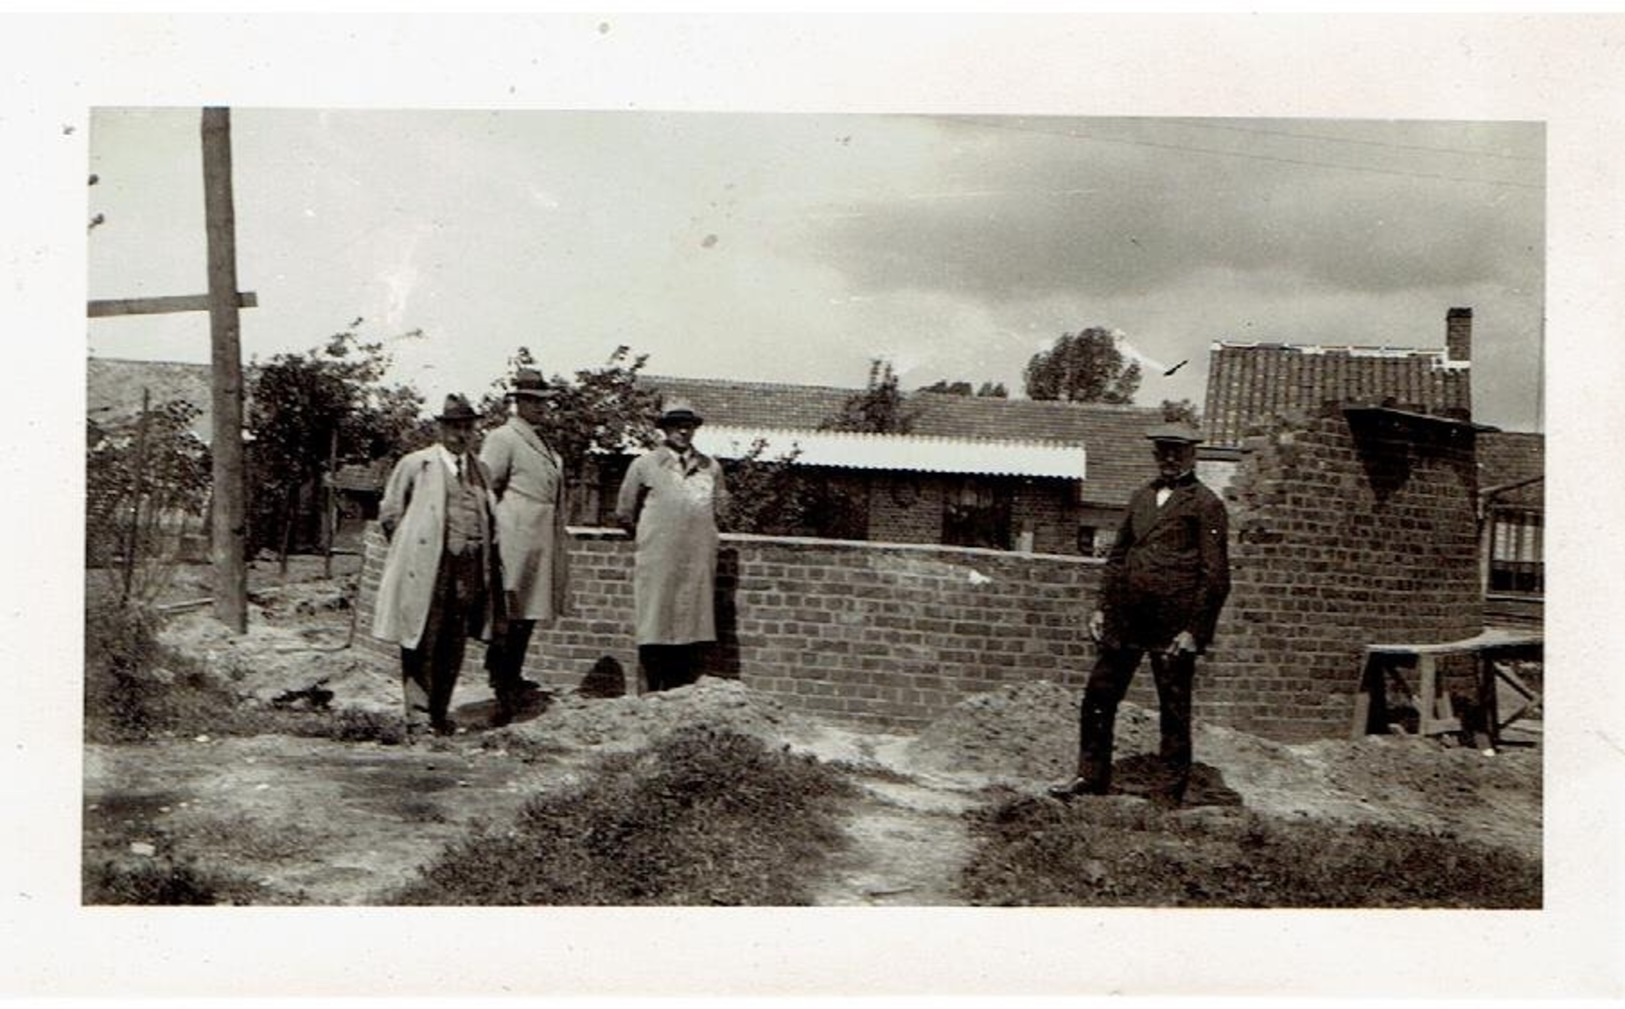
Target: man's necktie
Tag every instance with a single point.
(459, 463)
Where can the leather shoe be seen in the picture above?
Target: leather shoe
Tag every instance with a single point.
(1067, 789)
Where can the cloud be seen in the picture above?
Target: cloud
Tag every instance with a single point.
(1047, 213)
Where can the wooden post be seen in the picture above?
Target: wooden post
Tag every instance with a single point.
(329, 518)
(132, 540)
(227, 545)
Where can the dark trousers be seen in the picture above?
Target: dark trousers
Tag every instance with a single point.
(429, 671)
(505, 656)
(669, 666)
(1108, 681)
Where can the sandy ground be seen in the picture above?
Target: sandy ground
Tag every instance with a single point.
(324, 822)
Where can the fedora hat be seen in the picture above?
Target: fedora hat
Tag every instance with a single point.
(678, 411)
(457, 409)
(1176, 432)
(529, 383)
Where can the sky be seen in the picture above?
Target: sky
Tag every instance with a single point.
(797, 247)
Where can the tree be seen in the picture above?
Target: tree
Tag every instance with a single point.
(327, 405)
(963, 388)
(879, 409)
(1183, 411)
(764, 495)
(1084, 367)
(141, 476)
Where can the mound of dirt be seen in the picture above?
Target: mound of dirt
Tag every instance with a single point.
(1023, 734)
(570, 721)
(1022, 731)
(273, 658)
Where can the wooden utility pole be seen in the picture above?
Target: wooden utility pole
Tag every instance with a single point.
(227, 511)
(228, 544)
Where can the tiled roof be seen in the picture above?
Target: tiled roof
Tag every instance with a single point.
(113, 389)
(1506, 457)
(1113, 436)
(1248, 382)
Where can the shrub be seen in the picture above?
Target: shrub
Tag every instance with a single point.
(699, 817)
(121, 688)
(161, 880)
(1112, 853)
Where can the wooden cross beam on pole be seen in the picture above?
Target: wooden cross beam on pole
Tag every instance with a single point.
(102, 307)
(228, 516)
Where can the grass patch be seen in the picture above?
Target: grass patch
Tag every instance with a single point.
(161, 880)
(126, 697)
(699, 817)
(1037, 852)
(137, 690)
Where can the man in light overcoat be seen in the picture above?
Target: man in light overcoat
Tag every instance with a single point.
(1166, 578)
(669, 500)
(527, 476)
(442, 580)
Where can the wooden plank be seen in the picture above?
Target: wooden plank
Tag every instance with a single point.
(1428, 691)
(104, 307)
(1494, 637)
(1362, 714)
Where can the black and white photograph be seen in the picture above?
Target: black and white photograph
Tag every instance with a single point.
(1087, 514)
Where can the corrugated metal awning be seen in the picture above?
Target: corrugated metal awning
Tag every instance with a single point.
(906, 452)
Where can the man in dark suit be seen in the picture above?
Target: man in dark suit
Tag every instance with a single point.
(1165, 581)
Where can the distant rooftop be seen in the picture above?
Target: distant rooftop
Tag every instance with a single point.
(1251, 381)
(1110, 437)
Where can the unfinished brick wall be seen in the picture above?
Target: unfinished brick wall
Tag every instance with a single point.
(1345, 531)
(885, 634)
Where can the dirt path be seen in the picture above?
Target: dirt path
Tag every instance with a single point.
(907, 845)
(309, 821)
(317, 821)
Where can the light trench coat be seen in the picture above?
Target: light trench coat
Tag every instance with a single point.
(527, 477)
(675, 567)
(413, 514)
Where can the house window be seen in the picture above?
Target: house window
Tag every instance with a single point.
(1517, 551)
(977, 514)
(1086, 540)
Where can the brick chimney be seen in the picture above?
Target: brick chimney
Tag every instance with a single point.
(1458, 334)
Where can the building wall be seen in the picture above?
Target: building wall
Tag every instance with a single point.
(1344, 532)
(887, 634)
(906, 507)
